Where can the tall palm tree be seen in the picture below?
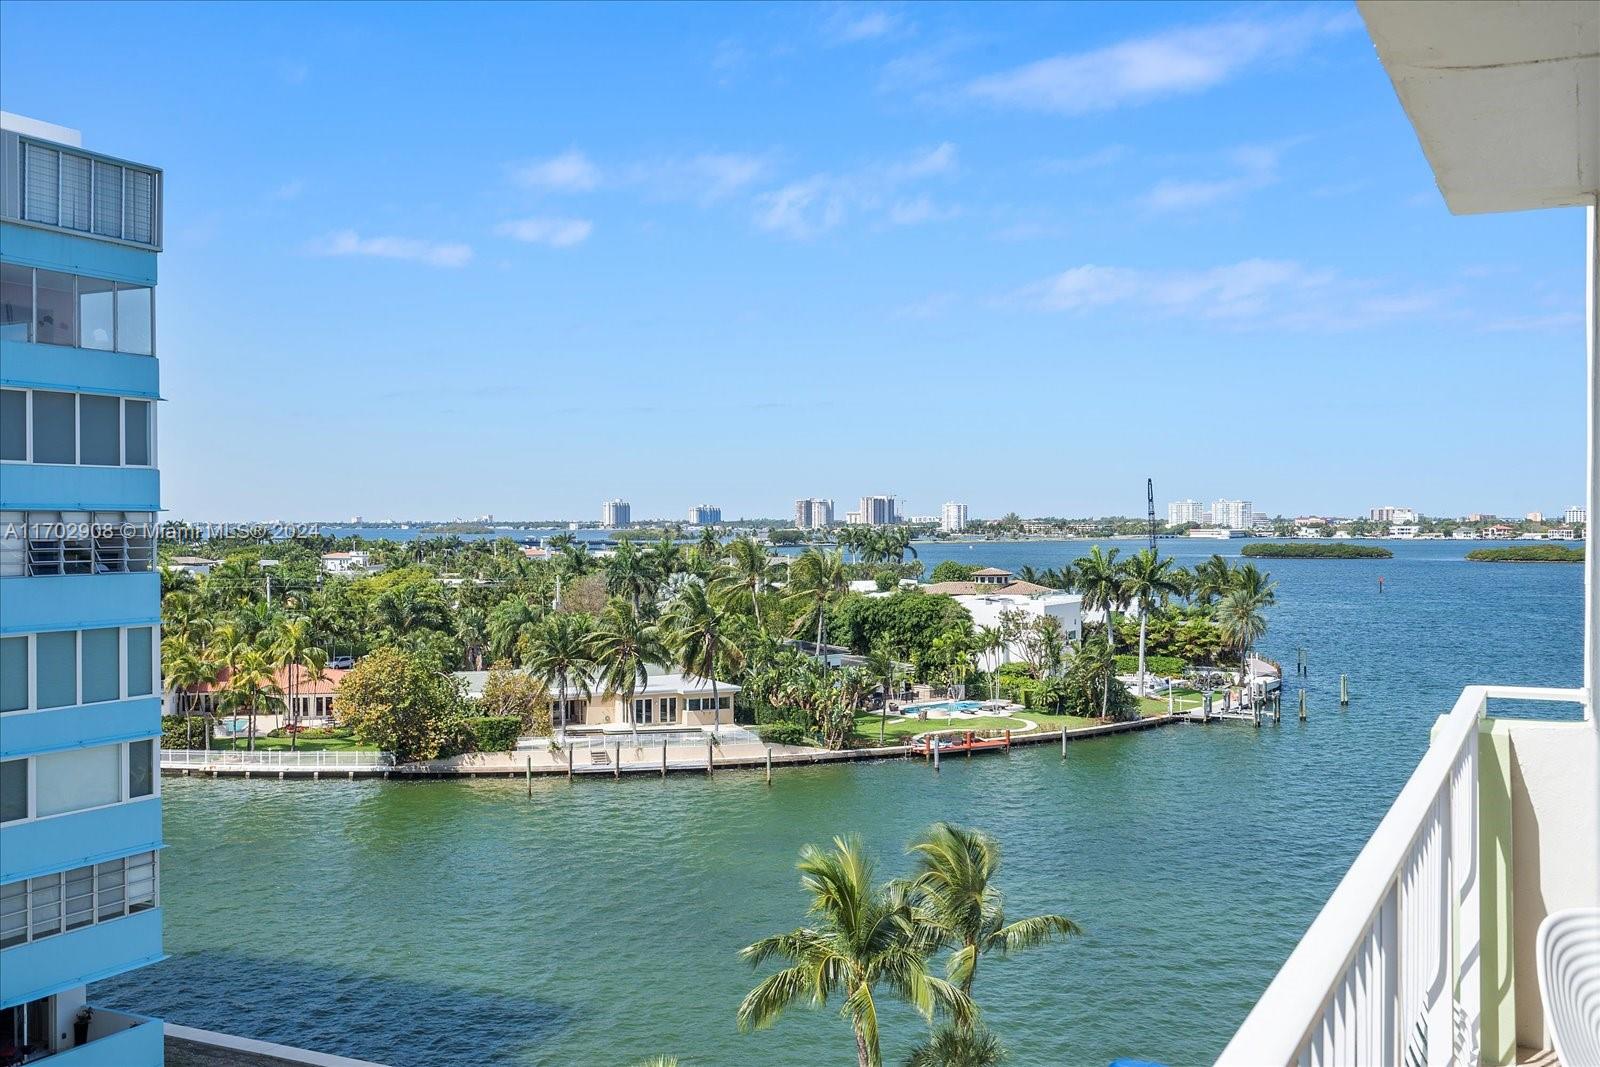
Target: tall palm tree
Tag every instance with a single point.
(694, 630)
(509, 621)
(882, 668)
(185, 667)
(291, 647)
(252, 684)
(1150, 581)
(561, 655)
(990, 642)
(1243, 624)
(816, 579)
(863, 936)
(632, 574)
(1212, 580)
(955, 883)
(1102, 580)
(748, 570)
(625, 646)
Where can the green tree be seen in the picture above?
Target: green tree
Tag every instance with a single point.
(748, 571)
(951, 571)
(694, 629)
(517, 694)
(954, 881)
(952, 1046)
(392, 699)
(1149, 582)
(1102, 580)
(862, 936)
(509, 621)
(625, 646)
(560, 654)
(816, 580)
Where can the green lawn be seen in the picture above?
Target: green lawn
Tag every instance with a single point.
(342, 743)
(900, 729)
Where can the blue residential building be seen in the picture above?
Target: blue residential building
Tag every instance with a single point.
(80, 607)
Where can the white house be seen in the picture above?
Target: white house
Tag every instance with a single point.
(198, 566)
(667, 700)
(986, 606)
(345, 562)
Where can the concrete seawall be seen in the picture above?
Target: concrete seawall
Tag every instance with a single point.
(679, 759)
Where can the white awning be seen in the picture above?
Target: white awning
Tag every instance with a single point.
(1504, 96)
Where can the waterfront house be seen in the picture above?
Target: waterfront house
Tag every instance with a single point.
(988, 603)
(1428, 951)
(669, 699)
(198, 566)
(993, 576)
(1498, 532)
(347, 563)
(312, 703)
(80, 599)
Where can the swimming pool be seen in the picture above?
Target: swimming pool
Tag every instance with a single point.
(945, 707)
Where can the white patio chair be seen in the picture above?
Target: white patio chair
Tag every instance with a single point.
(1568, 952)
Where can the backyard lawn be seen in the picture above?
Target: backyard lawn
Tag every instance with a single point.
(342, 742)
(899, 729)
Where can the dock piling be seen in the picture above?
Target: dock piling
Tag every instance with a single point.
(663, 758)
(616, 760)
(1344, 691)
(1063, 742)
(769, 764)
(708, 756)
(530, 777)
(1302, 704)
(935, 748)
(569, 763)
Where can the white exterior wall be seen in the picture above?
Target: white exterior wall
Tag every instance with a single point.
(986, 611)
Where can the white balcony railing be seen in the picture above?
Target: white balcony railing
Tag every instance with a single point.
(1389, 970)
(179, 758)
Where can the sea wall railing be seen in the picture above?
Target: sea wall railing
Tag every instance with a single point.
(1389, 970)
(178, 758)
(727, 735)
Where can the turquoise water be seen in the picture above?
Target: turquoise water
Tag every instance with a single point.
(461, 923)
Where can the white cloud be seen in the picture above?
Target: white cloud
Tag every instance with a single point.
(289, 190)
(569, 172)
(556, 233)
(1169, 63)
(1255, 168)
(706, 177)
(849, 24)
(813, 205)
(433, 253)
(1280, 293)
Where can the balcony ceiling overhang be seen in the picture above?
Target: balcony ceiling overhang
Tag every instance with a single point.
(1504, 96)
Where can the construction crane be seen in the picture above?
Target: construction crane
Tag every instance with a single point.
(1150, 506)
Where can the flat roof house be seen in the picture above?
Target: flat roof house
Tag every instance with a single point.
(668, 700)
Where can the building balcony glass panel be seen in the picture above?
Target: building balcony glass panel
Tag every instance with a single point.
(115, 1039)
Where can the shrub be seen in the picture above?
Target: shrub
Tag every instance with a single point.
(180, 732)
(785, 733)
(391, 699)
(494, 733)
(1164, 666)
(513, 693)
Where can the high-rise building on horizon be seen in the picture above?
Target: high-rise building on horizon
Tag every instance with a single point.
(1575, 515)
(1182, 512)
(813, 513)
(705, 515)
(616, 514)
(1232, 514)
(878, 511)
(953, 517)
(1393, 513)
(80, 599)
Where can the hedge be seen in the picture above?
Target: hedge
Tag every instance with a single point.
(494, 733)
(785, 733)
(1165, 666)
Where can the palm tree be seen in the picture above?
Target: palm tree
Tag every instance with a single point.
(748, 570)
(990, 642)
(252, 683)
(816, 580)
(1150, 580)
(952, 1046)
(472, 630)
(695, 631)
(561, 655)
(954, 883)
(1212, 580)
(883, 668)
(632, 574)
(1102, 581)
(509, 621)
(865, 936)
(185, 667)
(1243, 624)
(625, 645)
(291, 647)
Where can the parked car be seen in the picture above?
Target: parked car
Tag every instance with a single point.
(342, 663)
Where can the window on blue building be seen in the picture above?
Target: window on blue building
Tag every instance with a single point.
(97, 313)
(55, 308)
(13, 424)
(16, 302)
(102, 665)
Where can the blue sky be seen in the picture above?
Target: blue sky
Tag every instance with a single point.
(437, 261)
